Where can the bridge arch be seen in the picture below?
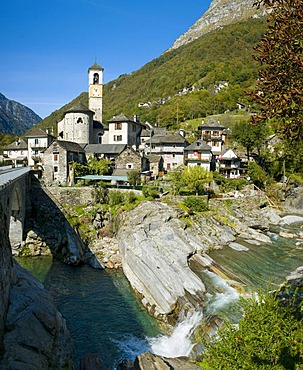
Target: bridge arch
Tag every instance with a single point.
(16, 221)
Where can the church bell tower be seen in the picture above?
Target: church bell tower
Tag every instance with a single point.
(95, 78)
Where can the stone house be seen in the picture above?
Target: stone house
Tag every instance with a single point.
(198, 154)
(214, 134)
(156, 165)
(129, 159)
(57, 160)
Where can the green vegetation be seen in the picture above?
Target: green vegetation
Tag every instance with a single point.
(269, 336)
(195, 204)
(195, 178)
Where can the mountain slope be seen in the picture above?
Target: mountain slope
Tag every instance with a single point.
(224, 55)
(15, 118)
(220, 13)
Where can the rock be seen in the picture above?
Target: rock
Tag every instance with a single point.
(290, 219)
(149, 361)
(238, 247)
(154, 248)
(91, 361)
(36, 334)
(253, 242)
(287, 235)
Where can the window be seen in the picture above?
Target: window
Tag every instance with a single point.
(117, 137)
(96, 78)
(99, 138)
(129, 166)
(80, 120)
(134, 128)
(118, 126)
(55, 169)
(36, 141)
(174, 155)
(56, 157)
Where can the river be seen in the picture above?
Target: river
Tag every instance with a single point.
(105, 317)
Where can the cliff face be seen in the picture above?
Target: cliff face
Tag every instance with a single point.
(33, 334)
(220, 13)
(15, 118)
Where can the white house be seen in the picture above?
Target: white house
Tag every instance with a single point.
(125, 129)
(37, 141)
(198, 154)
(167, 145)
(229, 164)
(16, 151)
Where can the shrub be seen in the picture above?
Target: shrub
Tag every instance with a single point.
(150, 192)
(100, 194)
(269, 336)
(196, 204)
(115, 198)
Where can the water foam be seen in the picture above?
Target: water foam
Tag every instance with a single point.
(224, 296)
(179, 342)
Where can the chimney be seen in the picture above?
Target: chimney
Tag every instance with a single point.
(181, 132)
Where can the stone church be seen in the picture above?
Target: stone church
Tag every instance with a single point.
(83, 125)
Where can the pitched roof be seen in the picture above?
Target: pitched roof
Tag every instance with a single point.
(168, 139)
(198, 146)
(125, 118)
(212, 123)
(96, 67)
(38, 133)
(153, 158)
(79, 107)
(104, 148)
(69, 146)
(19, 144)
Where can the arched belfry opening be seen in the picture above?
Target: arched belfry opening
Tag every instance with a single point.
(96, 78)
(16, 219)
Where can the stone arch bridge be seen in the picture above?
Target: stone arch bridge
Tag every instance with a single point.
(14, 201)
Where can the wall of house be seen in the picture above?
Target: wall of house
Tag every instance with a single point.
(55, 165)
(35, 148)
(128, 160)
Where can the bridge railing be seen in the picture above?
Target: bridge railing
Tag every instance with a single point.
(6, 177)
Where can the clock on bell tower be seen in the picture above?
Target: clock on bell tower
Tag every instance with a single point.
(95, 77)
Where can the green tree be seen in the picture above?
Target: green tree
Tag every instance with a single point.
(269, 336)
(250, 136)
(176, 181)
(195, 178)
(257, 174)
(280, 53)
(98, 166)
(134, 177)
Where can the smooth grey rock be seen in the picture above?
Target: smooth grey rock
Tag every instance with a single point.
(238, 247)
(291, 219)
(154, 249)
(36, 335)
(149, 361)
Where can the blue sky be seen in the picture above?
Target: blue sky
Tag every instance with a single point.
(48, 45)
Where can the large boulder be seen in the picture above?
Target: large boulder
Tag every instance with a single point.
(155, 249)
(36, 336)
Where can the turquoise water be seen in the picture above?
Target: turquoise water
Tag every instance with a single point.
(102, 313)
(262, 265)
(105, 317)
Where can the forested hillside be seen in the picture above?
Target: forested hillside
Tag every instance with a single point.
(221, 58)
